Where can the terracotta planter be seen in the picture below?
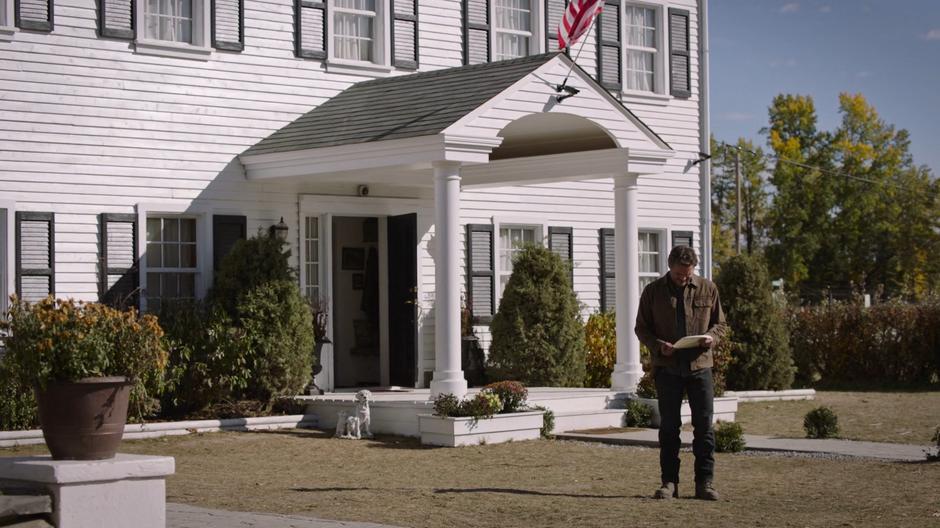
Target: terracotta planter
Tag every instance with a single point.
(84, 420)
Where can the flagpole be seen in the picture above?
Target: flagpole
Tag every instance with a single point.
(564, 84)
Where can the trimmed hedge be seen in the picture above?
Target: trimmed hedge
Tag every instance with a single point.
(846, 344)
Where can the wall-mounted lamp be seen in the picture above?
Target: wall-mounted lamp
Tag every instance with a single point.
(279, 230)
(701, 157)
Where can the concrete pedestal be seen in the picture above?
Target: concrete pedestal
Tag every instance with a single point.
(127, 490)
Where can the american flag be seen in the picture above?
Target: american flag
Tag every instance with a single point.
(577, 21)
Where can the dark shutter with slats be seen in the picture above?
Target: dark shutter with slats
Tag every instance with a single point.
(681, 238)
(118, 279)
(476, 31)
(116, 18)
(405, 34)
(608, 278)
(554, 12)
(35, 255)
(228, 24)
(560, 243)
(226, 231)
(480, 276)
(38, 15)
(310, 19)
(680, 67)
(609, 27)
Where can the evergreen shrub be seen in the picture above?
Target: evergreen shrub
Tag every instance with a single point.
(18, 409)
(729, 437)
(537, 334)
(821, 422)
(638, 414)
(761, 355)
(600, 339)
(258, 260)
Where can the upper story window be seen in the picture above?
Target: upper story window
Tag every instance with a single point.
(512, 28)
(354, 30)
(169, 20)
(173, 28)
(642, 54)
(171, 259)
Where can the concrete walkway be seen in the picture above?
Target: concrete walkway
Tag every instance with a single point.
(185, 516)
(649, 437)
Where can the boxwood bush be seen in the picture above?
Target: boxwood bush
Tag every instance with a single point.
(821, 422)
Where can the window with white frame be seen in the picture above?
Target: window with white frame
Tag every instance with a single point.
(6, 13)
(312, 258)
(356, 29)
(511, 240)
(513, 28)
(169, 20)
(642, 56)
(651, 257)
(171, 259)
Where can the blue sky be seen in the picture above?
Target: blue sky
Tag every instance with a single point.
(889, 50)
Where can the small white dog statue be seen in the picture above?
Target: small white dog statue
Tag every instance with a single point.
(358, 425)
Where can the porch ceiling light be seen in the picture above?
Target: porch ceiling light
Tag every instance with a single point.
(279, 230)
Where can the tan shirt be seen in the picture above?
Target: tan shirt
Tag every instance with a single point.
(656, 319)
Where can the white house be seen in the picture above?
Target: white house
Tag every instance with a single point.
(408, 146)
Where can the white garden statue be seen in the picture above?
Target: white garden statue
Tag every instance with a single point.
(360, 424)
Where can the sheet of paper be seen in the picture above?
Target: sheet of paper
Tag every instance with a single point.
(689, 341)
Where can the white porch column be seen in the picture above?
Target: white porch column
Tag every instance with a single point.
(448, 376)
(628, 370)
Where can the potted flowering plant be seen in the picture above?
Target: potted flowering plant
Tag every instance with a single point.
(83, 360)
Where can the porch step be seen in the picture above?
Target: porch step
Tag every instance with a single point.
(572, 400)
(578, 420)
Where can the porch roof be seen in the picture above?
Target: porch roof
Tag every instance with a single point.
(405, 106)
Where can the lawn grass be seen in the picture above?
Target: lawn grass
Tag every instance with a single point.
(900, 417)
(394, 480)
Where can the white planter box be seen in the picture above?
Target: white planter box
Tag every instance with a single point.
(453, 432)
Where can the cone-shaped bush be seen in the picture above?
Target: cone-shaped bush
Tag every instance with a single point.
(761, 357)
(538, 335)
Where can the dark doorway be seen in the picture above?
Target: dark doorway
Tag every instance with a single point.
(402, 293)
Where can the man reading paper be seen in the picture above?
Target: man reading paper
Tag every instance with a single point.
(677, 305)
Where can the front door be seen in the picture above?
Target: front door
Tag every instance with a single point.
(402, 306)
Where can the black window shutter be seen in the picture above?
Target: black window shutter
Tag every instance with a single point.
(405, 34)
(607, 255)
(226, 231)
(228, 24)
(118, 276)
(560, 242)
(116, 18)
(310, 20)
(554, 12)
(609, 29)
(35, 255)
(476, 31)
(480, 276)
(680, 62)
(681, 238)
(37, 15)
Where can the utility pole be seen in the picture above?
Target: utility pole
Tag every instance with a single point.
(737, 185)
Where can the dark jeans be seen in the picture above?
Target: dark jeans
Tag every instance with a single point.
(700, 388)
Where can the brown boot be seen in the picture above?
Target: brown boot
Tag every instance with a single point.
(668, 490)
(705, 491)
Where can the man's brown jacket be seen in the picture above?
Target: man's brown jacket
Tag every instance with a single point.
(656, 319)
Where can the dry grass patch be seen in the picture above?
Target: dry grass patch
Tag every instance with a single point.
(900, 417)
(396, 481)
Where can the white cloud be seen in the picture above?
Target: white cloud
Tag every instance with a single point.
(933, 34)
(792, 7)
(737, 116)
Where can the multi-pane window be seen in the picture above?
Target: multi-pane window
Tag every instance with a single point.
(641, 49)
(312, 258)
(511, 241)
(171, 260)
(354, 29)
(169, 20)
(650, 258)
(512, 28)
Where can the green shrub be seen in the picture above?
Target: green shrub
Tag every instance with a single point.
(729, 437)
(761, 357)
(821, 422)
(446, 404)
(600, 340)
(258, 260)
(638, 414)
(17, 405)
(483, 404)
(512, 393)
(548, 421)
(538, 336)
(888, 344)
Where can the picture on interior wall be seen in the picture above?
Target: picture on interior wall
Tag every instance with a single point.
(358, 279)
(354, 259)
